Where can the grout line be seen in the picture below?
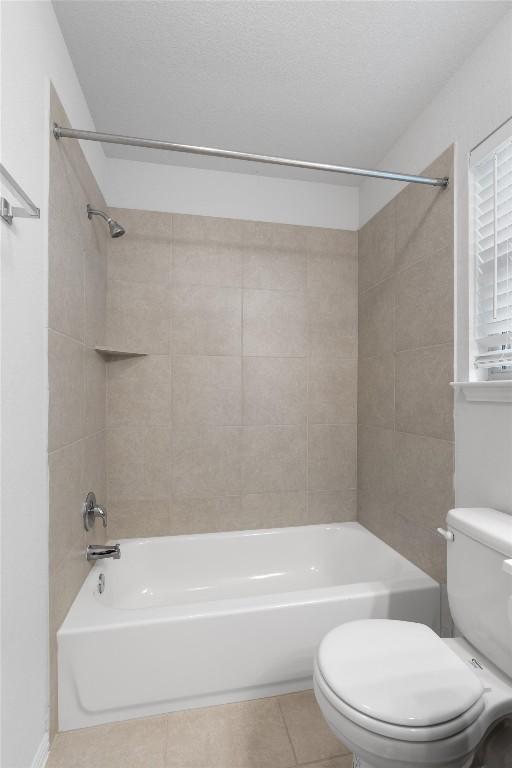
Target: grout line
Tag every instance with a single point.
(283, 718)
(75, 442)
(393, 353)
(397, 271)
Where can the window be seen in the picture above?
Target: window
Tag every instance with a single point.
(491, 215)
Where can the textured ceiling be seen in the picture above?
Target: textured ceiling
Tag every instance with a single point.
(333, 82)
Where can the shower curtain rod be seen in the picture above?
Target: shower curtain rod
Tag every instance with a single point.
(111, 138)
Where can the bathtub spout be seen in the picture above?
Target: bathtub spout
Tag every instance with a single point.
(101, 551)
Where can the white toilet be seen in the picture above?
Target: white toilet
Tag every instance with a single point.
(400, 696)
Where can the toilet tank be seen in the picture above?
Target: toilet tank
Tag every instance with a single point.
(479, 581)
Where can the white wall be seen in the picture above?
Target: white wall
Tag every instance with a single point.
(474, 102)
(149, 186)
(32, 51)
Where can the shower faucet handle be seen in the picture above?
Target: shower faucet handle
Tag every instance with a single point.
(91, 510)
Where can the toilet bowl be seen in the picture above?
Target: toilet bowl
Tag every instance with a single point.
(398, 695)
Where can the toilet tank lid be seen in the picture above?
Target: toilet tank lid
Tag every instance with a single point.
(485, 525)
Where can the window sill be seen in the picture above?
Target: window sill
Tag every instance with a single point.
(485, 391)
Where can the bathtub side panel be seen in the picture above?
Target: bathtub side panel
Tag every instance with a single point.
(161, 666)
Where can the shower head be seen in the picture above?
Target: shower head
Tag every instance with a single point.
(116, 230)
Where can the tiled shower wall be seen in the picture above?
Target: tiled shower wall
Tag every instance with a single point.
(405, 403)
(242, 413)
(77, 375)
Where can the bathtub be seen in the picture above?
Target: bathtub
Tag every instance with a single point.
(190, 621)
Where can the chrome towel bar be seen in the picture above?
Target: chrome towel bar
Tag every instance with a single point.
(8, 211)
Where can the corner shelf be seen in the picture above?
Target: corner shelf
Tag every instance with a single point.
(110, 352)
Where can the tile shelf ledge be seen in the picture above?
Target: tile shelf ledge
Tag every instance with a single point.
(110, 352)
(499, 391)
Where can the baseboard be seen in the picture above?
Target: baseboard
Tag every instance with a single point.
(41, 755)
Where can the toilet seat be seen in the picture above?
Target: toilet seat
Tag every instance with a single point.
(399, 732)
(398, 679)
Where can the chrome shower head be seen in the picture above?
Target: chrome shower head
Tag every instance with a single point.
(116, 230)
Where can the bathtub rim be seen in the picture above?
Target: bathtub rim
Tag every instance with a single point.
(87, 613)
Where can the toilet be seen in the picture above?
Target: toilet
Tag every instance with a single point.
(397, 694)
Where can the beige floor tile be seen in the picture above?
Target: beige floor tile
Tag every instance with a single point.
(343, 761)
(132, 744)
(310, 736)
(250, 734)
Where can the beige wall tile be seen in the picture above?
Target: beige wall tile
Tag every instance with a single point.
(375, 462)
(66, 381)
(208, 251)
(376, 513)
(222, 513)
(273, 459)
(424, 397)
(331, 457)
(139, 391)
(405, 480)
(95, 297)
(274, 323)
(423, 479)
(424, 302)
(67, 535)
(131, 744)
(66, 257)
(138, 317)
(421, 546)
(376, 248)
(139, 460)
(334, 272)
(270, 510)
(207, 390)
(424, 216)
(206, 461)
(275, 267)
(332, 391)
(95, 392)
(274, 257)
(332, 506)
(376, 480)
(206, 320)
(376, 391)
(311, 737)
(274, 390)
(136, 519)
(317, 240)
(250, 734)
(332, 322)
(94, 473)
(143, 254)
(376, 319)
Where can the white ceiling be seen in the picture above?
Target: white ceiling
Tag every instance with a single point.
(333, 82)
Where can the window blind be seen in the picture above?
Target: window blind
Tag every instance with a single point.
(492, 245)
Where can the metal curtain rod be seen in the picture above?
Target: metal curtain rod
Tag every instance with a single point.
(111, 138)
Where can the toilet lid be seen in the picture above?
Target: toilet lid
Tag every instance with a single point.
(398, 672)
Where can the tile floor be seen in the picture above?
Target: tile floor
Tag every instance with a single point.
(279, 732)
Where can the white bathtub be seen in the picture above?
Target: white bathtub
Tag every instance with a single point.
(188, 621)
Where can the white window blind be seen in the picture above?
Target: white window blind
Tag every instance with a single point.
(492, 246)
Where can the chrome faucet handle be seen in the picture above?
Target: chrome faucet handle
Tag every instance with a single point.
(101, 512)
(91, 510)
